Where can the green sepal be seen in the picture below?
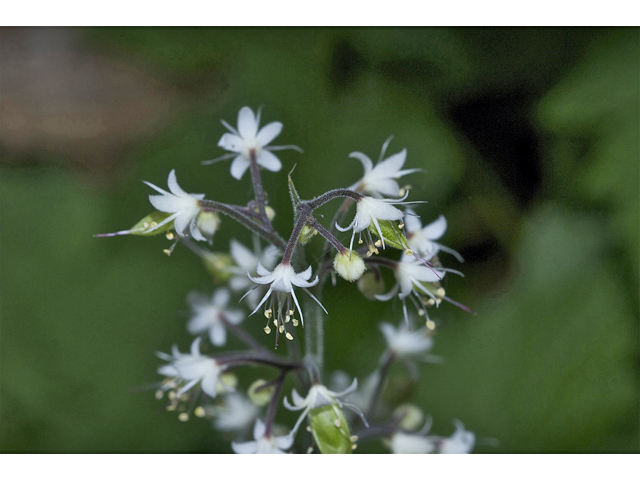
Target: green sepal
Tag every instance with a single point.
(153, 218)
(392, 235)
(330, 438)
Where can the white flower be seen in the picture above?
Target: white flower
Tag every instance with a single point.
(247, 261)
(184, 208)
(282, 280)
(402, 443)
(247, 141)
(318, 396)
(371, 210)
(236, 413)
(263, 443)
(188, 369)
(360, 398)
(381, 179)
(405, 343)
(210, 315)
(462, 441)
(422, 240)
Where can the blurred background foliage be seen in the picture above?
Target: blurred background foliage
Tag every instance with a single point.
(530, 142)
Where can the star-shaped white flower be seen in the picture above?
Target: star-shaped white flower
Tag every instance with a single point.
(236, 413)
(461, 441)
(263, 443)
(188, 369)
(383, 178)
(210, 315)
(247, 261)
(247, 140)
(372, 210)
(184, 208)
(404, 343)
(318, 396)
(283, 279)
(422, 239)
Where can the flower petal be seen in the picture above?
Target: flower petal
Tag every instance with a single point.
(239, 166)
(391, 166)
(231, 142)
(269, 161)
(244, 447)
(268, 133)
(366, 161)
(247, 123)
(173, 185)
(435, 229)
(218, 334)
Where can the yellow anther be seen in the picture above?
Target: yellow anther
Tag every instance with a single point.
(354, 446)
(159, 394)
(290, 312)
(289, 336)
(421, 312)
(183, 417)
(378, 243)
(431, 302)
(171, 407)
(281, 328)
(267, 313)
(401, 225)
(440, 292)
(145, 225)
(167, 251)
(287, 319)
(360, 241)
(171, 395)
(295, 322)
(310, 450)
(353, 438)
(267, 330)
(337, 423)
(431, 325)
(309, 428)
(408, 252)
(169, 235)
(275, 322)
(153, 224)
(199, 412)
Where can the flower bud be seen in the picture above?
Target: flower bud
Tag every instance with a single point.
(371, 285)
(218, 265)
(271, 213)
(349, 265)
(260, 396)
(410, 416)
(208, 224)
(226, 383)
(330, 430)
(306, 235)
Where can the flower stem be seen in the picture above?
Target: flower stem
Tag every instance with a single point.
(273, 405)
(382, 377)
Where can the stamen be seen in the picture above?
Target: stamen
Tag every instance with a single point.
(281, 328)
(268, 313)
(183, 417)
(267, 330)
(159, 394)
(199, 412)
(295, 322)
(169, 235)
(431, 325)
(289, 336)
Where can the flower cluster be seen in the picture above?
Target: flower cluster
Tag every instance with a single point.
(270, 277)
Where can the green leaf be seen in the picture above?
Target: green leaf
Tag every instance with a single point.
(143, 226)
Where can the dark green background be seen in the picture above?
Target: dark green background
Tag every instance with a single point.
(530, 142)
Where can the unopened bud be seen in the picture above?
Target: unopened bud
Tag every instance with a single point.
(259, 394)
(208, 224)
(271, 213)
(330, 429)
(349, 265)
(371, 285)
(410, 416)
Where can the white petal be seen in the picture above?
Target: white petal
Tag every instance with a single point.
(239, 166)
(247, 123)
(268, 133)
(218, 335)
(390, 166)
(242, 255)
(259, 429)
(261, 270)
(366, 161)
(200, 323)
(412, 221)
(284, 442)
(221, 297)
(174, 187)
(209, 383)
(435, 229)
(182, 222)
(306, 275)
(166, 203)
(245, 447)
(269, 161)
(196, 234)
(231, 142)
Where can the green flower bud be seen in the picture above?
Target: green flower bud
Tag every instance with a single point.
(226, 382)
(271, 213)
(208, 224)
(371, 285)
(260, 396)
(330, 430)
(218, 265)
(411, 417)
(306, 235)
(391, 233)
(349, 265)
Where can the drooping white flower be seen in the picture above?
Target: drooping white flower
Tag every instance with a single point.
(247, 261)
(422, 239)
(383, 178)
(362, 396)
(210, 315)
(236, 413)
(281, 281)
(184, 208)
(188, 369)
(263, 443)
(411, 275)
(461, 441)
(318, 396)
(404, 443)
(247, 140)
(372, 210)
(404, 343)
